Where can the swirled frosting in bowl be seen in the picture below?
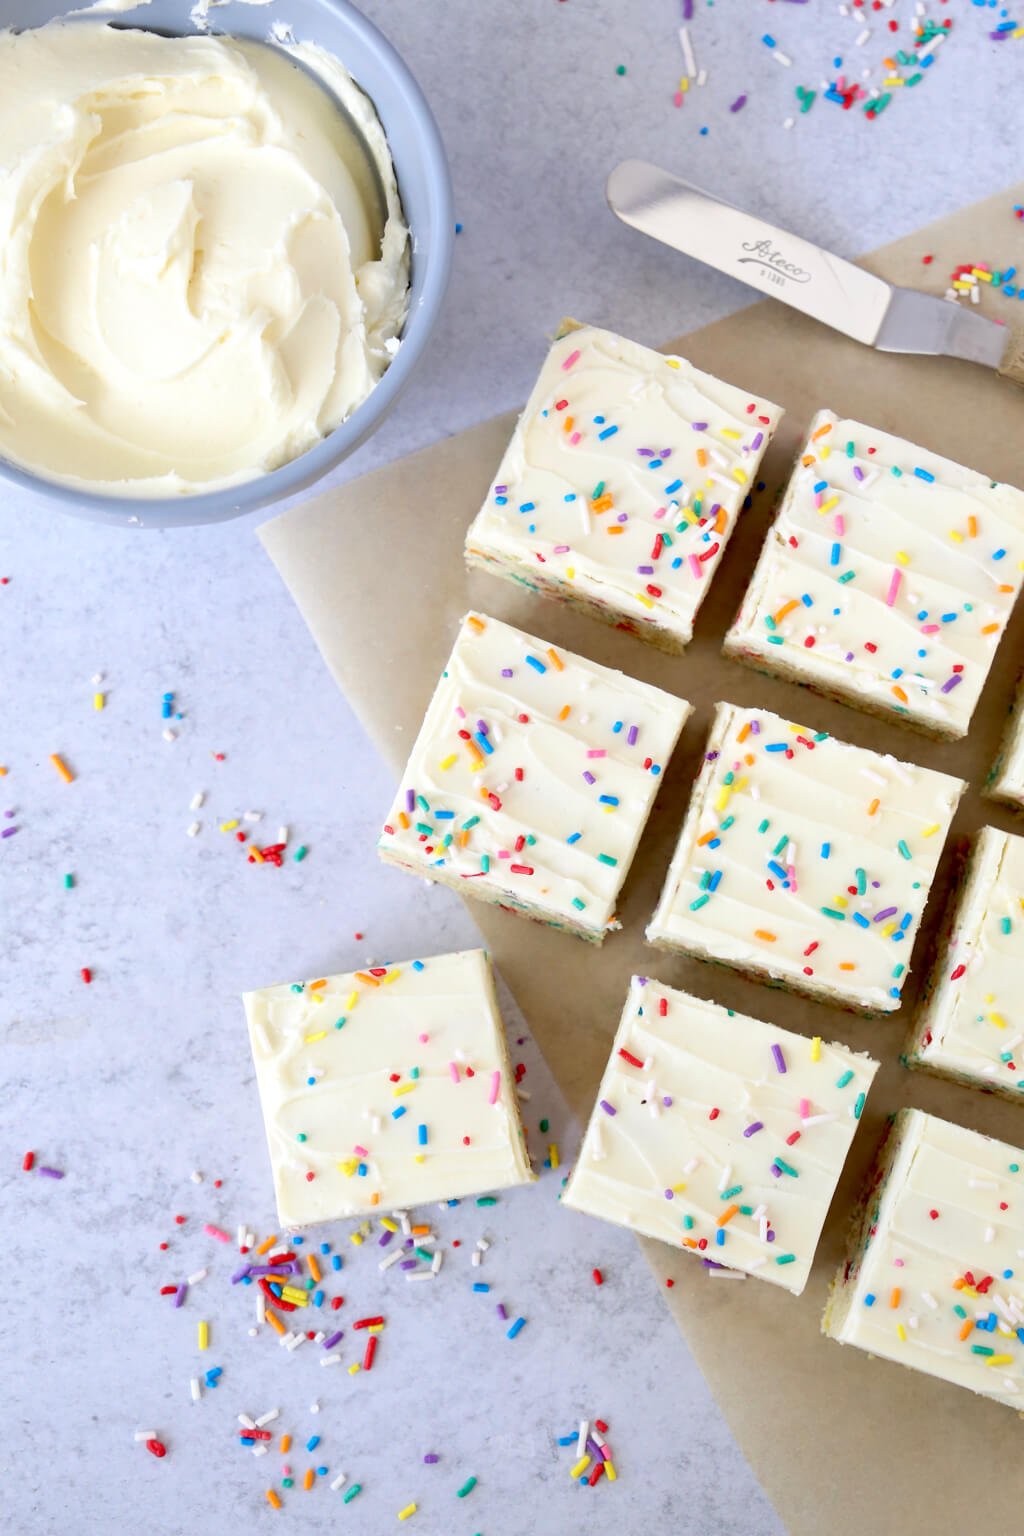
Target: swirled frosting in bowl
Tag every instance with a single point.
(204, 265)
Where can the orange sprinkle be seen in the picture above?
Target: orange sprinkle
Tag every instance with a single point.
(315, 984)
(972, 526)
(463, 839)
(314, 1267)
(873, 807)
(420, 1231)
(1003, 586)
(702, 457)
(567, 424)
(807, 460)
(706, 837)
(273, 1498)
(762, 933)
(286, 1444)
(617, 529)
(403, 821)
(556, 660)
(989, 629)
(61, 767)
(786, 608)
(364, 976)
(743, 732)
(967, 1329)
(898, 691)
(602, 503)
(821, 431)
(728, 1214)
(275, 1322)
(959, 1283)
(721, 521)
(475, 623)
(307, 1481)
(565, 711)
(375, 1198)
(894, 1298)
(847, 965)
(267, 1244)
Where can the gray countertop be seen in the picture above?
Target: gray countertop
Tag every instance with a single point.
(133, 1083)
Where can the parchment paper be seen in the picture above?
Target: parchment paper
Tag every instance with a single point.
(842, 1443)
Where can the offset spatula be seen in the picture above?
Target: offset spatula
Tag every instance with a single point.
(802, 275)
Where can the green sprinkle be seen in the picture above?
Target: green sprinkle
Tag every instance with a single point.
(847, 576)
(785, 1167)
(727, 1194)
(726, 824)
(301, 1136)
(688, 1223)
(960, 1311)
(858, 1108)
(421, 800)
(620, 69)
(414, 1071)
(485, 863)
(786, 1258)
(1004, 922)
(764, 825)
(701, 901)
(487, 1200)
(781, 844)
(348, 1497)
(982, 1349)
(470, 1482)
(300, 853)
(840, 917)
(69, 881)
(1015, 1167)
(578, 904)
(340, 1023)
(904, 850)
(862, 882)
(424, 827)
(776, 640)
(424, 1254)
(841, 1082)
(467, 826)
(544, 1126)
(606, 858)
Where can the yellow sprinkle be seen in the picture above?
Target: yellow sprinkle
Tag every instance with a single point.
(930, 831)
(998, 1020)
(672, 362)
(553, 1154)
(901, 1331)
(229, 826)
(956, 536)
(98, 700)
(353, 1368)
(610, 1472)
(723, 797)
(357, 1238)
(321, 1034)
(580, 1467)
(391, 976)
(293, 1294)
(403, 1088)
(902, 557)
(388, 1224)
(410, 1509)
(204, 1335)
(446, 762)
(419, 1158)
(677, 1189)
(816, 1048)
(740, 474)
(999, 1360)
(827, 506)
(981, 274)
(730, 432)
(570, 571)
(353, 998)
(888, 930)
(841, 901)
(642, 597)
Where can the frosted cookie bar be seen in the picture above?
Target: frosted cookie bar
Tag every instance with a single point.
(805, 860)
(887, 579)
(718, 1133)
(532, 778)
(622, 484)
(972, 1025)
(934, 1279)
(385, 1088)
(1006, 781)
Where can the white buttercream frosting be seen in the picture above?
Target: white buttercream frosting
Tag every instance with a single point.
(204, 266)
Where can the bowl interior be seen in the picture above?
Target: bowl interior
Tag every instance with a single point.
(425, 189)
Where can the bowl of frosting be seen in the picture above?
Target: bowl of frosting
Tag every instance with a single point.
(225, 236)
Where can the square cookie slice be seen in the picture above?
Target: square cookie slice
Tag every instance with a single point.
(718, 1133)
(887, 578)
(622, 484)
(805, 860)
(972, 1025)
(386, 1088)
(934, 1278)
(532, 778)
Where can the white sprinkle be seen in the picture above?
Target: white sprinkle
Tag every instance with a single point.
(268, 1418)
(392, 1258)
(982, 1184)
(145, 1434)
(97, 679)
(260, 1448)
(296, 1340)
(282, 834)
(196, 1176)
(702, 77)
(483, 1244)
(314, 1406)
(862, 38)
(524, 1094)
(691, 69)
(339, 1481)
(334, 1359)
(195, 1390)
(581, 1438)
(875, 778)
(726, 1274)
(193, 828)
(692, 1165)
(422, 1274)
(198, 800)
(168, 734)
(243, 1418)
(252, 815)
(930, 46)
(475, 1261)
(1010, 1385)
(929, 1300)
(435, 1263)
(757, 1262)
(787, 122)
(240, 1235)
(726, 1178)
(200, 1274)
(990, 1233)
(782, 58)
(261, 1308)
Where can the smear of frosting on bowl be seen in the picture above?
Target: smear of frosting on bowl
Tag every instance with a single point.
(204, 265)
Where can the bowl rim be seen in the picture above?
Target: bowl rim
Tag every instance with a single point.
(310, 466)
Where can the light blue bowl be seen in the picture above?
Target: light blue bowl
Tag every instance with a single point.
(424, 185)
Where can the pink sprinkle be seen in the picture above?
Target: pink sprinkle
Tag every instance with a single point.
(597, 752)
(492, 1097)
(561, 549)
(805, 1109)
(460, 711)
(930, 629)
(453, 1069)
(424, 1039)
(839, 523)
(360, 1151)
(677, 99)
(894, 587)
(695, 566)
(573, 357)
(575, 438)
(212, 1231)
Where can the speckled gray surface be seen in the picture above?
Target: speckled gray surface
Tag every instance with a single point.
(131, 1084)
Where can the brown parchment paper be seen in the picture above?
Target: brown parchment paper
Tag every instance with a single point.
(842, 1443)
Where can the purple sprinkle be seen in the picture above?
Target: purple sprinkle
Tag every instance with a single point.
(669, 1195)
(646, 453)
(632, 734)
(752, 1130)
(594, 1449)
(775, 1171)
(667, 1101)
(8, 832)
(779, 1059)
(645, 570)
(384, 1239)
(240, 1274)
(947, 687)
(410, 1242)
(500, 1309)
(410, 799)
(329, 1343)
(499, 490)
(506, 671)
(755, 727)
(666, 453)
(710, 757)
(623, 517)
(609, 1109)
(885, 912)
(51, 1173)
(738, 104)
(642, 980)
(8, 815)
(407, 1264)
(589, 776)
(687, 10)
(431, 1460)
(481, 726)
(858, 473)
(771, 1234)
(711, 1264)
(757, 440)
(179, 1295)
(699, 426)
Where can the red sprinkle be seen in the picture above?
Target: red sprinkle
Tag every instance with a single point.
(955, 974)
(86, 976)
(628, 1056)
(371, 1350)
(368, 1322)
(156, 1448)
(28, 1160)
(598, 1277)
